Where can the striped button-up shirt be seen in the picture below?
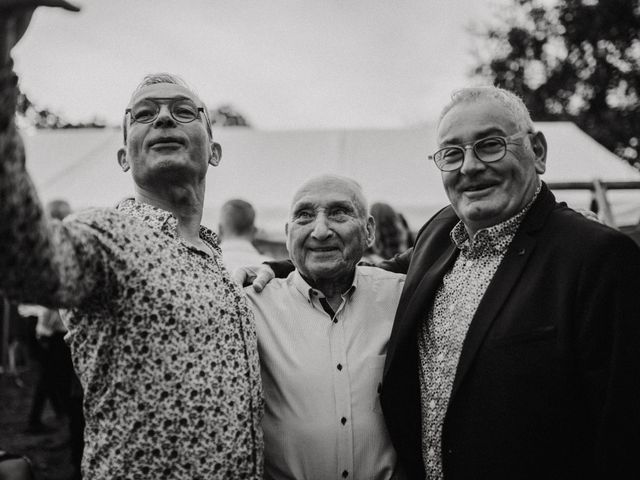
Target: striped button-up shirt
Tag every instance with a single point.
(321, 376)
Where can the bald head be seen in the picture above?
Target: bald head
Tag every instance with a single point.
(328, 231)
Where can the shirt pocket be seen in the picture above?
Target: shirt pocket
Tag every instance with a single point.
(376, 367)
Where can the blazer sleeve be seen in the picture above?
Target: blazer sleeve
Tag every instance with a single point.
(609, 339)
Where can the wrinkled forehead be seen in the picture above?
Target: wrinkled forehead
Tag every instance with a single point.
(328, 190)
(164, 90)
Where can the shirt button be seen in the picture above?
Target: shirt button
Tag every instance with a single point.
(335, 320)
(343, 420)
(345, 474)
(339, 366)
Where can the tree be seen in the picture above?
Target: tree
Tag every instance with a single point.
(576, 60)
(43, 118)
(227, 116)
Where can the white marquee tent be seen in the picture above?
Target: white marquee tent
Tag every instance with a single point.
(265, 167)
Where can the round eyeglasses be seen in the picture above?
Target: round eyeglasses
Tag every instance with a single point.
(487, 150)
(182, 110)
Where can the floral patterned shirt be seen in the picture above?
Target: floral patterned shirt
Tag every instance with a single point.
(162, 339)
(443, 333)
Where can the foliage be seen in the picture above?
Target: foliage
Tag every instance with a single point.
(227, 116)
(576, 60)
(43, 118)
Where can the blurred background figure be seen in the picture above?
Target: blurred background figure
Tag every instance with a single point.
(237, 232)
(57, 381)
(392, 234)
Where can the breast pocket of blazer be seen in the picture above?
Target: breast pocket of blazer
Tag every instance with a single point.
(376, 368)
(521, 338)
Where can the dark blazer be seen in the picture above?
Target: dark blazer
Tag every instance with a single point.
(548, 381)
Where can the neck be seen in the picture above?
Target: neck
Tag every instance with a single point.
(333, 288)
(185, 202)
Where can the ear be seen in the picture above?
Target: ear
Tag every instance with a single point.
(122, 159)
(371, 231)
(216, 154)
(286, 236)
(539, 146)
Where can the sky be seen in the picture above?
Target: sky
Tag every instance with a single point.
(284, 64)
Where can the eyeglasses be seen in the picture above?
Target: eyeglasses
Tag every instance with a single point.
(182, 110)
(487, 150)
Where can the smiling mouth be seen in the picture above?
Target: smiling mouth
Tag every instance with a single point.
(478, 188)
(323, 249)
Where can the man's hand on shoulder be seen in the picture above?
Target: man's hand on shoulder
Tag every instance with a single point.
(256, 275)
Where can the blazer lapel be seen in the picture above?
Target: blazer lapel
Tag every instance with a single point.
(497, 293)
(503, 282)
(419, 302)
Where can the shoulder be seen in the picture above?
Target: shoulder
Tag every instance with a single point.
(375, 274)
(101, 217)
(568, 226)
(380, 282)
(272, 291)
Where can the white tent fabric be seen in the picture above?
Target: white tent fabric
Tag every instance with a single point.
(265, 167)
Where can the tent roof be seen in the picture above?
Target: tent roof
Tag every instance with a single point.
(265, 167)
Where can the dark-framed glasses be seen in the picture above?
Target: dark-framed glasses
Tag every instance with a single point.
(488, 150)
(182, 110)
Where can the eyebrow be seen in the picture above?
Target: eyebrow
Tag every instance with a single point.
(487, 132)
(338, 203)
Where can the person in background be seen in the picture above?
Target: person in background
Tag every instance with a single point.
(162, 338)
(322, 339)
(237, 231)
(392, 234)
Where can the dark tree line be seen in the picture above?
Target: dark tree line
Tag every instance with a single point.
(577, 60)
(43, 118)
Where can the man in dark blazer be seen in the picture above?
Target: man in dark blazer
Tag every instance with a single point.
(515, 351)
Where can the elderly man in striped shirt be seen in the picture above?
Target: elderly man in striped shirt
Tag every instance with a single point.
(322, 339)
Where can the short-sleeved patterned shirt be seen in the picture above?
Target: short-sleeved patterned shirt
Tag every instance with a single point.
(162, 339)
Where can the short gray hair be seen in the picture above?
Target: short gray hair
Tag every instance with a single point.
(163, 77)
(512, 102)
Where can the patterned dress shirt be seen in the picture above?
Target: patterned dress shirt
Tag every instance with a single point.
(162, 339)
(321, 376)
(445, 328)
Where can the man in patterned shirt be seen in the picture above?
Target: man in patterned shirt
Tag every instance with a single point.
(515, 348)
(162, 339)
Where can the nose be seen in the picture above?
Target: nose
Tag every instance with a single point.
(321, 230)
(471, 163)
(164, 118)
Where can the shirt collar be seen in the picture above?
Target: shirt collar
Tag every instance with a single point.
(496, 237)
(163, 220)
(308, 292)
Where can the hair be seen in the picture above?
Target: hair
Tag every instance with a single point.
(58, 209)
(162, 77)
(237, 217)
(388, 234)
(513, 103)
